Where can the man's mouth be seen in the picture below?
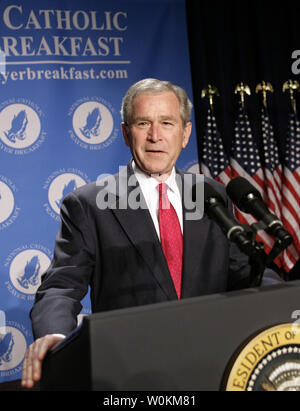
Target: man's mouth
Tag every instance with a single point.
(155, 151)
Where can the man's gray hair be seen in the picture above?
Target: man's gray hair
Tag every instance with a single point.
(152, 86)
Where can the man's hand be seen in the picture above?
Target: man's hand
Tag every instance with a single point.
(32, 365)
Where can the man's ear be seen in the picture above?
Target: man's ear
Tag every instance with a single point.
(187, 134)
(125, 133)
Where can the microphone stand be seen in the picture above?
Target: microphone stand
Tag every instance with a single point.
(258, 259)
(257, 256)
(257, 263)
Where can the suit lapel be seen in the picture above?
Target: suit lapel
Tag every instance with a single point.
(195, 225)
(194, 233)
(139, 227)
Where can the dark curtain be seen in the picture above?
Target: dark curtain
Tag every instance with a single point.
(243, 40)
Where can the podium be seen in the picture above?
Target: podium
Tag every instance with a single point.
(182, 345)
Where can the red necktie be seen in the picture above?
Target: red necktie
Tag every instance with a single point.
(171, 237)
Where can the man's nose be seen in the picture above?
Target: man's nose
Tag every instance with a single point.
(154, 133)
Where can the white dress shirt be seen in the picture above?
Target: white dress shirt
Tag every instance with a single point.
(149, 187)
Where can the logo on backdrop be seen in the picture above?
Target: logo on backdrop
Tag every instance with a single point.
(25, 266)
(93, 123)
(9, 211)
(20, 126)
(58, 185)
(12, 348)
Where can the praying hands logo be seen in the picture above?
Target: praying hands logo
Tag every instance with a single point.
(17, 127)
(21, 127)
(68, 188)
(30, 277)
(92, 124)
(6, 346)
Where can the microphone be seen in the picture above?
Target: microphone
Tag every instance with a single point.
(249, 200)
(215, 208)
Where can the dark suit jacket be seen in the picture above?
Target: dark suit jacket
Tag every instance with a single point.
(116, 251)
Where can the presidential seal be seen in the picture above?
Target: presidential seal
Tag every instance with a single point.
(269, 361)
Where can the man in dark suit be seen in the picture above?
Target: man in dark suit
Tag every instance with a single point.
(112, 236)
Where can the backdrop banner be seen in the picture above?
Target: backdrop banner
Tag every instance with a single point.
(65, 66)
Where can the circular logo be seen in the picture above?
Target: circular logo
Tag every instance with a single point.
(25, 266)
(20, 127)
(12, 348)
(26, 269)
(9, 211)
(93, 123)
(59, 184)
(268, 362)
(7, 202)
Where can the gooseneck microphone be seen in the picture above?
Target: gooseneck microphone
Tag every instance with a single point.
(248, 199)
(215, 208)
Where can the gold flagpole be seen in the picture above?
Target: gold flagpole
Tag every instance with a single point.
(210, 92)
(291, 86)
(264, 87)
(242, 89)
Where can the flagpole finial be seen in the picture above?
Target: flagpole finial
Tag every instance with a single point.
(210, 92)
(242, 88)
(292, 86)
(264, 87)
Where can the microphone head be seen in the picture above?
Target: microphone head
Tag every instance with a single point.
(211, 196)
(238, 189)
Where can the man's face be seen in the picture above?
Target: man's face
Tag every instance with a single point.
(156, 134)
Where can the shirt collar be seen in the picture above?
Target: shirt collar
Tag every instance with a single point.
(151, 182)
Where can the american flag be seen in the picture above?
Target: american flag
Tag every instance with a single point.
(215, 163)
(245, 162)
(272, 165)
(244, 154)
(290, 211)
(272, 168)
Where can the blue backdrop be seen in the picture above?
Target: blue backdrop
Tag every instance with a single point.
(68, 64)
